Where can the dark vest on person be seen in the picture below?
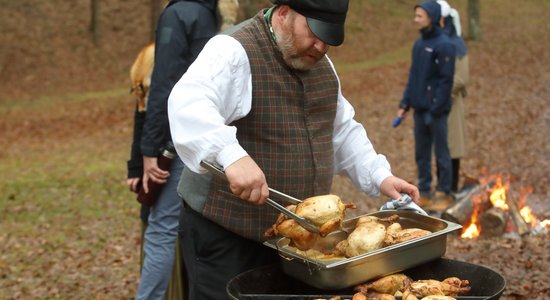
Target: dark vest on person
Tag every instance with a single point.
(288, 133)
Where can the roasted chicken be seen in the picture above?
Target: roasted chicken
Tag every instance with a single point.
(395, 236)
(326, 211)
(434, 287)
(401, 285)
(390, 284)
(368, 235)
(395, 285)
(299, 237)
(451, 286)
(408, 295)
(319, 254)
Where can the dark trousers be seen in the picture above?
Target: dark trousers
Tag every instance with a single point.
(213, 255)
(455, 174)
(431, 132)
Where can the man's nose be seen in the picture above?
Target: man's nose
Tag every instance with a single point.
(320, 46)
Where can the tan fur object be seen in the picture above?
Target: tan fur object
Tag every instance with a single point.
(228, 10)
(140, 75)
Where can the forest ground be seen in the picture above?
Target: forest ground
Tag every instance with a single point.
(70, 229)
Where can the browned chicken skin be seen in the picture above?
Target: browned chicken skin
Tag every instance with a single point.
(368, 235)
(390, 284)
(298, 235)
(403, 235)
(455, 281)
(435, 287)
(451, 286)
(326, 211)
(401, 285)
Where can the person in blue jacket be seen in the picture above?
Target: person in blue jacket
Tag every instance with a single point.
(183, 29)
(428, 92)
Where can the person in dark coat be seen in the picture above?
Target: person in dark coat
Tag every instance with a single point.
(183, 29)
(428, 92)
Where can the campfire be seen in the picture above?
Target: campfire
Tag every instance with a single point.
(489, 208)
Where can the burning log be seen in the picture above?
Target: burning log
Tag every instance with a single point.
(521, 226)
(493, 222)
(490, 210)
(461, 211)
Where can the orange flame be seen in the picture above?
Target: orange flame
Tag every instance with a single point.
(470, 232)
(527, 213)
(498, 194)
(528, 216)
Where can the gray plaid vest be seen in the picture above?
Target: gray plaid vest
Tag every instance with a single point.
(288, 133)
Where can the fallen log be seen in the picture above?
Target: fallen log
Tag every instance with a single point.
(521, 226)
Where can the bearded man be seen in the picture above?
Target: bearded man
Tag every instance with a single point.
(263, 102)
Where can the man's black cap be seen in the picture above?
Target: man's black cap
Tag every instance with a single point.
(325, 18)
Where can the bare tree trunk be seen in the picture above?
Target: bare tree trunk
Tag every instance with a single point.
(95, 27)
(474, 31)
(155, 13)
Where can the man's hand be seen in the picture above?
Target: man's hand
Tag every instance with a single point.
(402, 113)
(151, 170)
(247, 180)
(132, 184)
(393, 187)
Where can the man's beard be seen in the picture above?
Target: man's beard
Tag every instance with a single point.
(286, 43)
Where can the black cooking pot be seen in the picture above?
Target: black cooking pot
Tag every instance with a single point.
(270, 283)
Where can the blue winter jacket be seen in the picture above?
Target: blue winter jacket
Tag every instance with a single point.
(431, 73)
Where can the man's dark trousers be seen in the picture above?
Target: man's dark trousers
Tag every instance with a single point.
(213, 255)
(431, 131)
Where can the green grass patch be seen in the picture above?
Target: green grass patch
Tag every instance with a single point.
(390, 57)
(45, 101)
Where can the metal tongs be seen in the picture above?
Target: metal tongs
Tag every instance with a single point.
(303, 222)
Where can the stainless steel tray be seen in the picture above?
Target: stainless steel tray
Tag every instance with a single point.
(347, 272)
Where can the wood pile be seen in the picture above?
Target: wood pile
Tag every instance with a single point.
(473, 206)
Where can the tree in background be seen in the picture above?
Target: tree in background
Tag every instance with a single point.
(94, 22)
(474, 31)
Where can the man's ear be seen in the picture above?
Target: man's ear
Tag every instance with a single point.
(281, 12)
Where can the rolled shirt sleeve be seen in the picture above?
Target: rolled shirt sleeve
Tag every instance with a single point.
(355, 156)
(213, 93)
